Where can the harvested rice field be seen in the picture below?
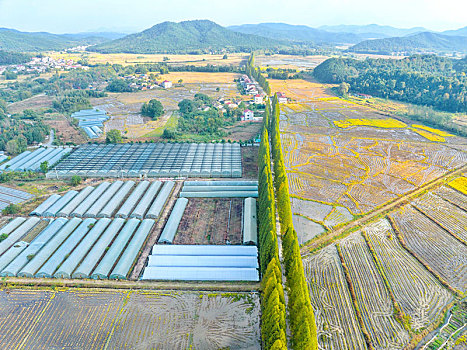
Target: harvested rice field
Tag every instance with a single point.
(353, 159)
(83, 319)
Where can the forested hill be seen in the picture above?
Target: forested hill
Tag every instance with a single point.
(299, 33)
(425, 42)
(429, 80)
(7, 57)
(187, 37)
(16, 41)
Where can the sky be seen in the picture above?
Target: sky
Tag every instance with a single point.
(62, 16)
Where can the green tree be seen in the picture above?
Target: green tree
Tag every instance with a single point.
(344, 88)
(12, 147)
(11, 209)
(152, 109)
(45, 167)
(76, 180)
(113, 136)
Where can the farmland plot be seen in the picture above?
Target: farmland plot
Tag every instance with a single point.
(433, 246)
(371, 295)
(151, 320)
(344, 154)
(452, 196)
(415, 289)
(336, 321)
(18, 310)
(80, 319)
(75, 320)
(448, 216)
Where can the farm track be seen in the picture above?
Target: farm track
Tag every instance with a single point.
(15, 282)
(404, 199)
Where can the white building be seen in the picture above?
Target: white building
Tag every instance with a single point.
(281, 98)
(248, 115)
(166, 84)
(258, 99)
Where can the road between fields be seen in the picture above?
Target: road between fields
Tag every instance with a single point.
(327, 238)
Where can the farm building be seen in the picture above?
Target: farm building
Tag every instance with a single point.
(152, 160)
(31, 161)
(202, 263)
(117, 199)
(12, 196)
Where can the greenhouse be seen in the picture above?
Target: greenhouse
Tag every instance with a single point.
(159, 203)
(42, 208)
(92, 258)
(65, 249)
(203, 260)
(102, 270)
(103, 199)
(201, 274)
(117, 200)
(16, 229)
(152, 160)
(68, 208)
(130, 203)
(37, 243)
(70, 263)
(146, 201)
(128, 257)
(59, 204)
(217, 194)
(250, 229)
(83, 207)
(211, 250)
(170, 228)
(31, 161)
(12, 196)
(48, 248)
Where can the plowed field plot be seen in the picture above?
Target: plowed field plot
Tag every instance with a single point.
(343, 154)
(127, 320)
(452, 196)
(435, 247)
(372, 296)
(330, 297)
(157, 321)
(211, 221)
(415, 289)
(445, 214)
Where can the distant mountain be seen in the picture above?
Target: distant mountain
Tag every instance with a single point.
(187, 36)
(425, 42)
(298, 33)
(457, 32)
(14, 40)
(373, 30)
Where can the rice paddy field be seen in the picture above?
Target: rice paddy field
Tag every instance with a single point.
(115, 319)
(345, 160)
(125, 108)
(388, 283)
(402, 272)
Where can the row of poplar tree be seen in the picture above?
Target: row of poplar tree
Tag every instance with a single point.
(274, 311)
(255, 73)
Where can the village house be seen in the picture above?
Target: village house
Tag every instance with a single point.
(258, 99)
(166, 84)
(281, 98)
(248, 115)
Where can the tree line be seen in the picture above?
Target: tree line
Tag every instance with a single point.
(428, 80)
(255, 73)
(300, 312)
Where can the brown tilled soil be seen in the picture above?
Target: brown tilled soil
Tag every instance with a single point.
(207, 221)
